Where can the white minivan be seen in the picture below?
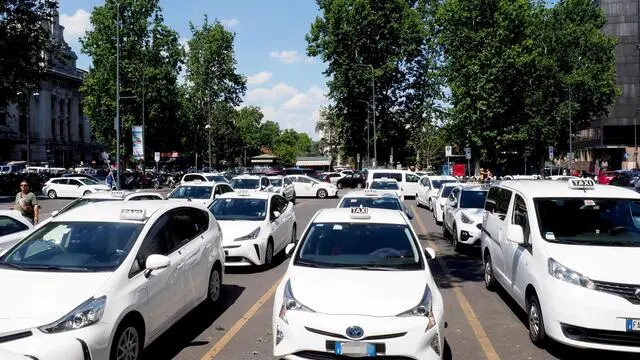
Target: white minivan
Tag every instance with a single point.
(408, 180)
(567, 252)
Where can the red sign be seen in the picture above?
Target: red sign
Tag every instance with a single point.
(173, 154)
(459, 169)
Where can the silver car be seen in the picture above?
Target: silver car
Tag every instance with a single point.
(283, 186)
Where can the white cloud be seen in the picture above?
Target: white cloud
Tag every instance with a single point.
(291, 57)
(75, 25)
(259, 78)
(229, 23)
(291, 108)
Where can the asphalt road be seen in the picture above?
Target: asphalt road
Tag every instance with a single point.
(480, 324)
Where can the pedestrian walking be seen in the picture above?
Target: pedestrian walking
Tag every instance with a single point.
(109, 180)
(27, 203)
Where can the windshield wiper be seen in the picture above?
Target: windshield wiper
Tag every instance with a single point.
(310, 264)
(55, 268)
(367, 267)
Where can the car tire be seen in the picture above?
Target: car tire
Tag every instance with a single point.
(52, 194)
(430, 205)
(214, 289)
(489, 277)
(293, 200)
(294, 234)
(445, 232)
(322, 194)
(268, 254)
(339, 185)
(87, 192)
(454, 239)
(359, 186)
(535, 321)
(418, 201)
(127, 342)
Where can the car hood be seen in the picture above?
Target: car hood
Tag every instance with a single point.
(357, 292)
(474, 214)
(233, 229)
(614, 264)
(39, 298)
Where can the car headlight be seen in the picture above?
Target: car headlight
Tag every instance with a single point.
(88, 313)
(424, 308)
(563, 273)
(465, 219)
(290, 303)
(251, 236)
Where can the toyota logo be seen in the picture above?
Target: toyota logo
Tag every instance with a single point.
(637, 294)
(356, 332)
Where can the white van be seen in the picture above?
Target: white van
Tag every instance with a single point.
(567, 252)
(408, 180)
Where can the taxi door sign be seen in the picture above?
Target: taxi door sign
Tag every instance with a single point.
(581, 183)
(360, 210)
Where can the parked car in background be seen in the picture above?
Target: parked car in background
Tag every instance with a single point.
(353, 180)
(310, 187)
(72, 187)
(283, 186)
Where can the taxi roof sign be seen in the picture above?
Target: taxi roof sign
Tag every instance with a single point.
(582, 184)
(242, 192)
(133, 214)
(117, 193)
(360, 213)
(371, 192)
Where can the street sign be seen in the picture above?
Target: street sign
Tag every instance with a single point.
(156, 156)
(550, 152)
(447, 151)
(467, 153)
(570, 156)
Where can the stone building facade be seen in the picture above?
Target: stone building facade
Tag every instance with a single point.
(54, 129)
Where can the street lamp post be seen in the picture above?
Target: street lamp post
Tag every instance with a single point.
(373, 96)
(368, 136)
(119, 170)
(28, 116)
(570, 137)
(208, 127)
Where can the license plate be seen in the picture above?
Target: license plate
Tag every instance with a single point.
(355, 349)
(633, 325)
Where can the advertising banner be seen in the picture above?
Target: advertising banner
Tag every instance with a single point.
(138, 145)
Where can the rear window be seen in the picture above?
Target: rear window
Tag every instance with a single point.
(384, 185)
(380, 175)
(371, 202)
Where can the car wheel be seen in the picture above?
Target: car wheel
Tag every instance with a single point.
(322, 193)
(489, 279)
(445, 232)
(536, 323)
(127, 342)
(339, 185)
(454, 239)
(215, 286)
(293, 200)
(359, 186)
(268, 255)
(294, 234)
(87, 192)
(52, 194)
(417, 201)
(430, 206)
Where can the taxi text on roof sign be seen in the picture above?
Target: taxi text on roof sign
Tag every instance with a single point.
(132, 214)
(581, 184)
(242, 192)
(117, 193)
(360, 210)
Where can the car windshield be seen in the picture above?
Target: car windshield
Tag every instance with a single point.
(84, 201)
(239, 209)
(361, 246)
(245, 183)
(192, 192)
(438, 183)
(446, 190)
(88, 181)
(74, 246)
(384, 185)
(371, 202)
(472, 199)
(276, 182)
(216, 178)
(610, 222)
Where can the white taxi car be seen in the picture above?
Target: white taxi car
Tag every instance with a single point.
(374, 199)
(251, 183)
(306, 186)
(199, 191)
(71, 187)
(255, 226)
(386, 185)
(328, 304)
(567, 253)
(462, 220)
(441, 201)
(115, 195)
(283, 186)
(428, 188)
(13, 228)
(104, 280)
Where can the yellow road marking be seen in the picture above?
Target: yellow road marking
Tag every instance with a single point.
(226, 338)
(481, 335)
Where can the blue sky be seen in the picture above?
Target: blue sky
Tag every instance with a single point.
(270, 50)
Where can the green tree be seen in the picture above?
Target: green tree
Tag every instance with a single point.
(304, 144)
(387, 39)
(213, 84)
(268, 134)
(249, 119)
(287, 147)
(150, 58)
(25, 45)
(329, 126)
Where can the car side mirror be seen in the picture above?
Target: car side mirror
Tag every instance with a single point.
(276, 214)
(430, 252)
(156, 262)
(289, 249)
(515, 234)
(409, 214)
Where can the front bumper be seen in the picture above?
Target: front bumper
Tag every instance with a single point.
(244, 253)
(90, 343)
(308, 334)
(594, 319)
(468, 234)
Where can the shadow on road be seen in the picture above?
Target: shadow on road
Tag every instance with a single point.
(464, 266)
(277, 260)
(182, 334)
